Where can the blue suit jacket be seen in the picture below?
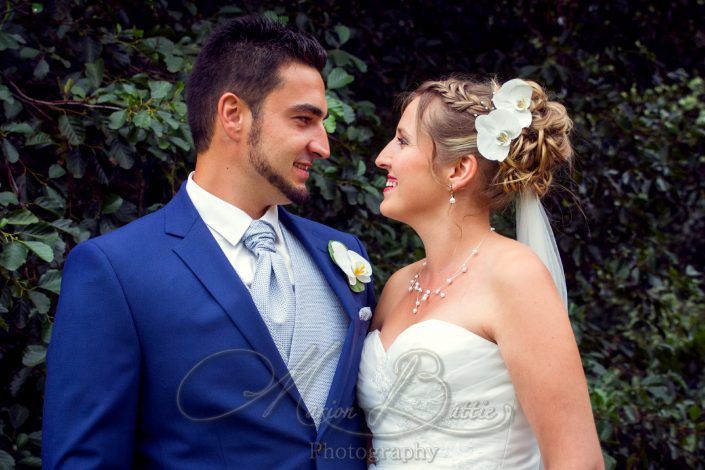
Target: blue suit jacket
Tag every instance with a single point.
(160, 359)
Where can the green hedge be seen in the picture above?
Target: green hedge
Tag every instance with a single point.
(94, 134)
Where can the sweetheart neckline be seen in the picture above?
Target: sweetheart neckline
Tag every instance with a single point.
(454, 325)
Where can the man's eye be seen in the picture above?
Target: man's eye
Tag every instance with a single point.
(303, 119)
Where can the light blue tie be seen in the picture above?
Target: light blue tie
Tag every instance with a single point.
(271, 287)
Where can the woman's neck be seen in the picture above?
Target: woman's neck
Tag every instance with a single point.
(448, 243)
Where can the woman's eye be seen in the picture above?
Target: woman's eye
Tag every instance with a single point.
(402, 142)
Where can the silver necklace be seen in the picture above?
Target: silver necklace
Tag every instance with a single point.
(424, 295)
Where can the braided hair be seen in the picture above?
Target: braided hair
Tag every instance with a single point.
(446, 112)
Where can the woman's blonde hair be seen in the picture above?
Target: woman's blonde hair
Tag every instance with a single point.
(446, 112)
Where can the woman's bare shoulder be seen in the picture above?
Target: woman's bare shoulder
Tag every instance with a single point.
(516, 266)
(522, 282)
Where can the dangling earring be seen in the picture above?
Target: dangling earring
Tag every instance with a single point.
(452, 195)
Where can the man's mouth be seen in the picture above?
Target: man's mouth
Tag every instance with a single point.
(303, 168)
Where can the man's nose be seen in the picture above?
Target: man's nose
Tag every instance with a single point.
(319, 145)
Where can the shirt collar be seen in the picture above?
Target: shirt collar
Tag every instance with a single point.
(227, 220)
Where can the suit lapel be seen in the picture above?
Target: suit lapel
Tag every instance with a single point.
(204, 257)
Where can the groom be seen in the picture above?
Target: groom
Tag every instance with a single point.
(218, 332)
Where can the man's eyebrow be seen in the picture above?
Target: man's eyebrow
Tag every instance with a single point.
(310, 109)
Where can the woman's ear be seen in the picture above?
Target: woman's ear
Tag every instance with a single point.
(233, 116)
(460, 175)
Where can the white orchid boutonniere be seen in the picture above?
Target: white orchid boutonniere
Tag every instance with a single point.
(356, 268)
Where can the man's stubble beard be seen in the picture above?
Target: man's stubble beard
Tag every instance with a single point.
(259, 163)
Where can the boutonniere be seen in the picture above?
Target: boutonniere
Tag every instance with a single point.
(356, 268)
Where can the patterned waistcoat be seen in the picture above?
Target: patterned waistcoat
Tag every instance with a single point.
(310, 343)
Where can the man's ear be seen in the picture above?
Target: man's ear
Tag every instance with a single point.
(233, 116)
(461, 174)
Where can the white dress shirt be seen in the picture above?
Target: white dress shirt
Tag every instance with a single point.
(228, 224)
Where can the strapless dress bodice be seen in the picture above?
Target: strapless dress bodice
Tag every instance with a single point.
(441, 397)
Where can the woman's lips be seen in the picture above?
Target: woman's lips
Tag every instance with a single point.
(390, 184)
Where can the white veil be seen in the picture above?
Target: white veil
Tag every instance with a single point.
(534, 230)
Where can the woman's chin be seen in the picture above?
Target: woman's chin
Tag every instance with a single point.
(387, 209)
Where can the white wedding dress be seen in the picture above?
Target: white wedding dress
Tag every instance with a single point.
(441, 397)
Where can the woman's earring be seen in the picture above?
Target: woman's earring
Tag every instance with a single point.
(452, 195)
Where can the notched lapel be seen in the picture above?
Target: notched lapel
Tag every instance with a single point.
(202, 255)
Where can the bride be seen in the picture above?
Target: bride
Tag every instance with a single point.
(471, 361)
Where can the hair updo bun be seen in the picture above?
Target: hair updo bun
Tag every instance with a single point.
(534, 156)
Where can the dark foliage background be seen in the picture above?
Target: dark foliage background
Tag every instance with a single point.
(93, 135)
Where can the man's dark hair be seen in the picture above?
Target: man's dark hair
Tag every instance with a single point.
(243, 56)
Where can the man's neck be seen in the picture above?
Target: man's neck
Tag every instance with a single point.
(232, 186)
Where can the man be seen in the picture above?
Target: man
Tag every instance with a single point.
(218, 332)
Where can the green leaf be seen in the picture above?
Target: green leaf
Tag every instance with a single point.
(22, 217)
(12, 108)
(13, 255)
(10, 151)
(56, 171)
(31, 461)
(173, 63)
(111, 204)
(358, 287)
(10, 41)
(76, 164)
(34, 355)
(38, 139)
(18, 415)
(361, 66)
(40, 301)
(7, 197)
(42, 231)
(159, 89)
(338, 78)
(329, 124)
(5, 94)
(122, 154)
(179, 142)
(18, 128)
(42, 250)
(348, 113)
(360, 168)
(41, 70)
(47, 330)
(78, 90)
(330, 249)
(343, 33)
(51, 281)
(94, 72)
(117, 119)
(180, 108)
(6, 460)
(142, 120)
(72, 129)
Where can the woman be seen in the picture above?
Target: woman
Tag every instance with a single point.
(471, 361)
